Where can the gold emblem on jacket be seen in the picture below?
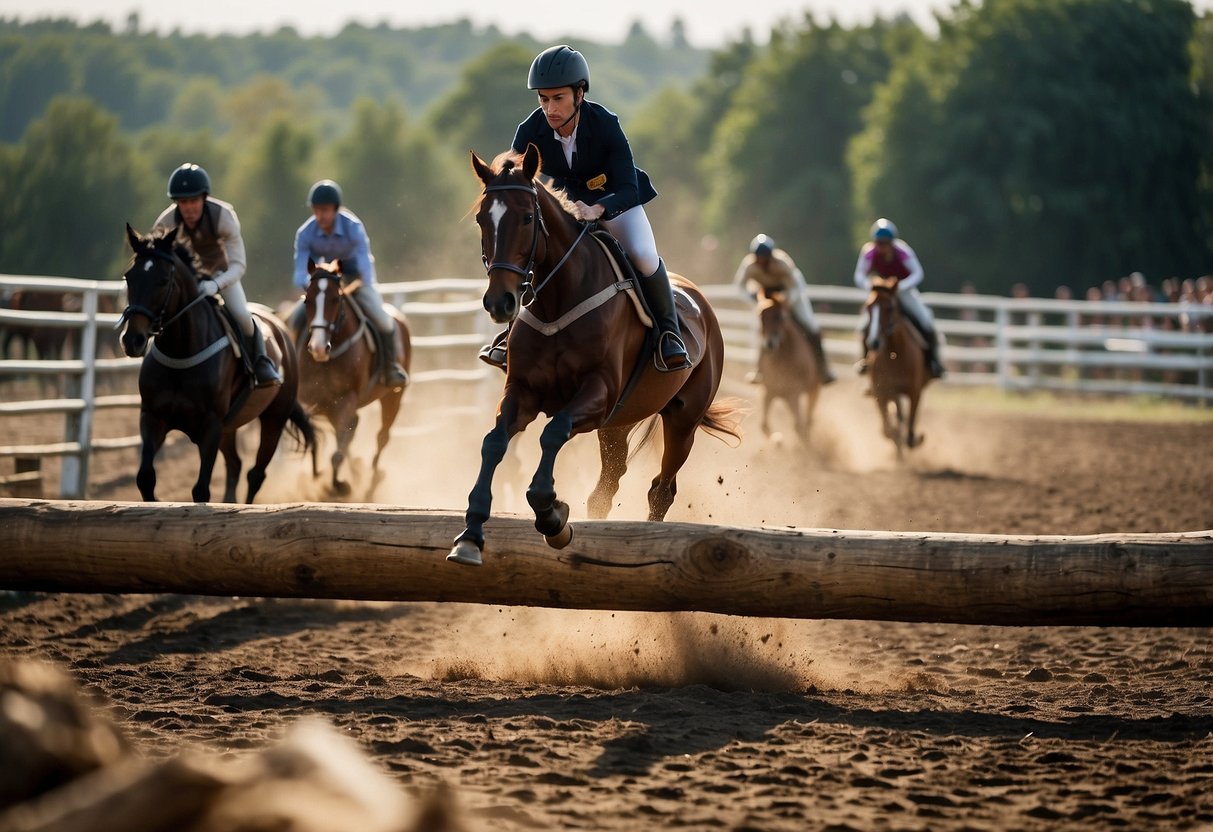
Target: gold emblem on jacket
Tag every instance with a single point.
(597, 183)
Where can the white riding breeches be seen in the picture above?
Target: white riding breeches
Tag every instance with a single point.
(237, 307)
(635, 235)
(912, 305)
(371, 302)
(802, 311)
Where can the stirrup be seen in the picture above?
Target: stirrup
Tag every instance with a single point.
(678, 359)
(271, 379)
(494, 356)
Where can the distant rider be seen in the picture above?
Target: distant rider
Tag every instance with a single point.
(771, 269)
(214, 234)
(335, 233)
(888, 256)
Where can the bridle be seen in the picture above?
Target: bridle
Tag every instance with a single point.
(331, 327)
(528, 273)
(158, 324)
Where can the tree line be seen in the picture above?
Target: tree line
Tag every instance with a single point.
(1033, 141)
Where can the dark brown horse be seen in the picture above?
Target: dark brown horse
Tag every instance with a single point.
(190, 379)
(337, 370)
(786, 363)
(897, 362)
(572, 353)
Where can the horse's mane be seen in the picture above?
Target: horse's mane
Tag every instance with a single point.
(511, 159)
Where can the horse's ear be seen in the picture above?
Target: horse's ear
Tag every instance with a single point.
(482, 170)
(133, 238)
(311, 266)
(170, 236)
(531, 161)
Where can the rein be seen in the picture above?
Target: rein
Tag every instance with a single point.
(528, 273)
(345, 297)
(158, 324)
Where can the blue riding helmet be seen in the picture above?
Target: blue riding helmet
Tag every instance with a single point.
(762, 245)
(884, 229)
(325, 192)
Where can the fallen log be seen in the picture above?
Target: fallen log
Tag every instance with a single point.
(364, 552)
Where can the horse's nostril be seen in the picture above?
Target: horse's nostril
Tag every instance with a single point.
(509, 302)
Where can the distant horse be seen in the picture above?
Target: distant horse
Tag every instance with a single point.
(48, 342)
(190, 379)
(787, 366)
(338, 374)
(579, 352)
(897, 363)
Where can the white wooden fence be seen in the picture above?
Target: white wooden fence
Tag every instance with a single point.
(1112, 348)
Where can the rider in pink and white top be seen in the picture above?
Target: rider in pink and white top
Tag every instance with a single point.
(887, 256)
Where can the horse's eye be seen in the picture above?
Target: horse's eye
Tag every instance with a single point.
(528, 219)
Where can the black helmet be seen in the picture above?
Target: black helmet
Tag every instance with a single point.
(325, 192)
(762, 244)
(558, 66)
(187, 181)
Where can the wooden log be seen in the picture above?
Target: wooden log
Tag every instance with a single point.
(364, 552)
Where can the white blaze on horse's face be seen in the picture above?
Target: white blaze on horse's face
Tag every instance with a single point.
(318, 344)
(496, 212)
(874, 328)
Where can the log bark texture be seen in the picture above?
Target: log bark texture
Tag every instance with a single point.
(363, 552)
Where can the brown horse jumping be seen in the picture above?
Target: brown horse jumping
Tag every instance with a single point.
(897, 363)
(572, 352)
(338, 375)
(190, 379)
(787, 365)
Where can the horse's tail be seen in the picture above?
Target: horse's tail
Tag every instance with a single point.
(723, 419)
(646, 429)
(302, 430)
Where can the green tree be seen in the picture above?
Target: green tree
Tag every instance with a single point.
(778, 160)
(485, 108)
(265, 186)
(1044, 141)
(402, 186)
(36, 73)
(71, 184)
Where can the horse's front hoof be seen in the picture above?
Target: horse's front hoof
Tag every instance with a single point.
(465, 552)
(562, 538)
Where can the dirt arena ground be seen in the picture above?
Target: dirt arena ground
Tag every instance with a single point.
(563, 719)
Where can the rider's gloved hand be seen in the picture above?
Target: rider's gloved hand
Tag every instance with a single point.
(208, 287)
(588, 213)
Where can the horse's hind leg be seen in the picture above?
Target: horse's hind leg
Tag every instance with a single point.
(551, 514)
(389, 406)
(913, 439)
(232, 464)
(678, 435)
(613, 449)
(272, 426)
(153, 432)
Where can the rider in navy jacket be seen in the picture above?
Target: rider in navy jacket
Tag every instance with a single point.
(584, 151)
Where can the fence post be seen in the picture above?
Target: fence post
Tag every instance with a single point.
(73, 482)
(1002, 341)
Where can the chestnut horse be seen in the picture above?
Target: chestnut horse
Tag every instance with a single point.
(896, 362)
(338, 373)
(572, 351)
(787, 365)
(190, 380)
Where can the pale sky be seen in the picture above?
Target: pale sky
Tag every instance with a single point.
(708, 22)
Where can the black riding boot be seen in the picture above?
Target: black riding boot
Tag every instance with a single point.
(671, 352)
(391, 362)
(819, 352)
(265, 374)
(934, 365)
(494, 354)
(861, 366)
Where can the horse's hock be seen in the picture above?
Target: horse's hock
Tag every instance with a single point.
(388, 554)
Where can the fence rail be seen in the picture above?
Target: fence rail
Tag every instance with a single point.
(1108, 348)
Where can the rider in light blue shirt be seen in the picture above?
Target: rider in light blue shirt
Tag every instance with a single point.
(335, 233)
